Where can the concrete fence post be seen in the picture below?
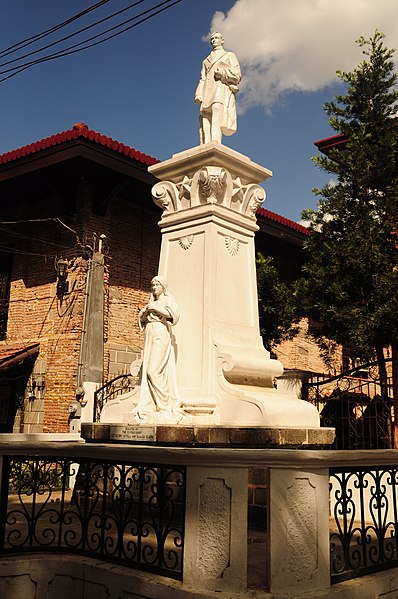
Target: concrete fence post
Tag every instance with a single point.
(215, 554)
(299, 531)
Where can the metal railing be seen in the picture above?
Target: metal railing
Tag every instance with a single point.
(364, 530)
(131, 514)
(353, 404)
(124, 383)
(92, 501)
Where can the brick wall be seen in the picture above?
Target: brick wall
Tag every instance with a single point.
(302, 353)
(120, 358)
(133, 261)
(36, 314)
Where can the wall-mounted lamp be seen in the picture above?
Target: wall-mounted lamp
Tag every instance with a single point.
(62, 275)
(36, 386)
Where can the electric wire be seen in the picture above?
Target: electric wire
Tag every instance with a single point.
(63, 39)
(42, 34)
(36, 239)
(7, 250)
(68, 51)
(40, 220)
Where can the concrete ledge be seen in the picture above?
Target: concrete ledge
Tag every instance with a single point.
(290, 458)
(200, 436)
(62, 576)
(38, 437)
(43, 576)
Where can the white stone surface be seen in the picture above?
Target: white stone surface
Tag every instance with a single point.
(210, 195)
(215, 524)
(158, 393)
(219, 83)
(63, 576)
(19, 438)
(299, 531)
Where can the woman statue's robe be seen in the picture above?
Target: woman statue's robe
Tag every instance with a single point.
(158, 386)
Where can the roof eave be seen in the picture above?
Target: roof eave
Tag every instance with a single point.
(79, 147)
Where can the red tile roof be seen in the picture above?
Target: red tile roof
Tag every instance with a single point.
(331, 143)
(79, 130)
(14, 354)
(269, 215)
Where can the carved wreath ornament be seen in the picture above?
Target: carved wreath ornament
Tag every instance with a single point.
(209, 185)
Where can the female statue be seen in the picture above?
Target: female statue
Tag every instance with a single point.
(158, 386)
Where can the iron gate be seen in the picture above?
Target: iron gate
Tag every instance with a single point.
(353, 404)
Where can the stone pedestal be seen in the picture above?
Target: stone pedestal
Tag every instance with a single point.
(209, 195)
(299, 532)
(215, 524)
(209, 436)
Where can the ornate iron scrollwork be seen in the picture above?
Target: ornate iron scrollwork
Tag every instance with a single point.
(124, 383)
(364, 535)
(132, 514)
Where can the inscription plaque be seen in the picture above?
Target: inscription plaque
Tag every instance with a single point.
(132, 433)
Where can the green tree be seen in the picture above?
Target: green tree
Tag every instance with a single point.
(350, 283)
(277, 311)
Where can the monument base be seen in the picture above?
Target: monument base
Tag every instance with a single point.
(233, 406)
(214, 436)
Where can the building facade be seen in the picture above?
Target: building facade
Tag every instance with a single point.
(80, 201)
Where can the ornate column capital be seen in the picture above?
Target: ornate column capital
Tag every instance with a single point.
(209, 174)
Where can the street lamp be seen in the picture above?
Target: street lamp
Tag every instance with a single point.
(62, 275)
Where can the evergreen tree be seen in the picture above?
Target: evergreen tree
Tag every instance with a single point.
(278, 315)
(350, 283)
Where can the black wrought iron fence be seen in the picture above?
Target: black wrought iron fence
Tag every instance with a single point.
(364, 531)
(124, 383)
(353, 404)
(132, 514)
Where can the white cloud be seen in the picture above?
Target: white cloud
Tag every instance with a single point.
(297, 45)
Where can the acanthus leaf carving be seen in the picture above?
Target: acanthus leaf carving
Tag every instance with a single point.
(165, 194)
(212, 185)
(253, 197)
(209, 185)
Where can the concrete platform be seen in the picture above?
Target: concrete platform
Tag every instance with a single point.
(215, 436)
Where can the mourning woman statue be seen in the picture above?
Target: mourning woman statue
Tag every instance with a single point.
(158, 400)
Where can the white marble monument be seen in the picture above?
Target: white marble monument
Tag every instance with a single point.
(209, 195)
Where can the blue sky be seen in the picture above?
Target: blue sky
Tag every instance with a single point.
(138, 88)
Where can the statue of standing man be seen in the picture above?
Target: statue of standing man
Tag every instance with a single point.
(218, 85)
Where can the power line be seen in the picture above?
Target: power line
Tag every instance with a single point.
(63, 39)
(41, 35)
(68, 51)
(39, 220)
(14, 233)
(7, 250)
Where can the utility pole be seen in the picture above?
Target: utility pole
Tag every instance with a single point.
(90, 370)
